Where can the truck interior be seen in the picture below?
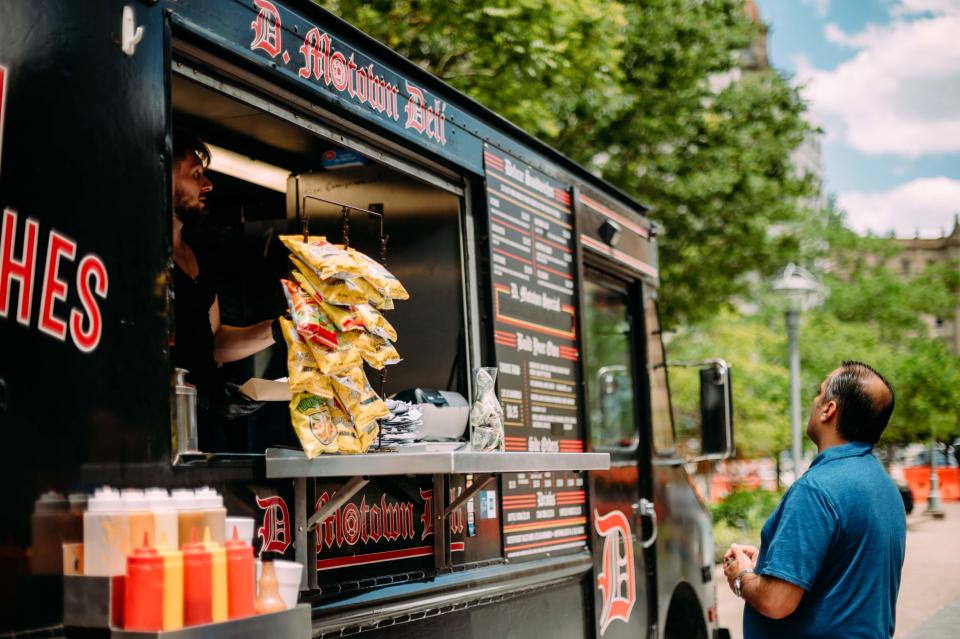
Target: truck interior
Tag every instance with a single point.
(262, 166)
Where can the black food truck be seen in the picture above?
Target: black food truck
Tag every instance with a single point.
(515, 257)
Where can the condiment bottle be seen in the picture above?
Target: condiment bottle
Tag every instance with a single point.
(74, 529)
(47, 523)
(197, 583)
(105, 534)
(172, 587)
(241, 588)
(143, 590)
(214, 514)
(139, 518)
(165, 518)
(269, 599)
(189, 514)
(218, 591)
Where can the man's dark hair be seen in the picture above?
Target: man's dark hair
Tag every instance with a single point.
(862, 417)
(187, 143)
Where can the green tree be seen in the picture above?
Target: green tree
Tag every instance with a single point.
(650, 95)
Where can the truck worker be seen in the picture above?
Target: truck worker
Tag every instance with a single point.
(831, 554)
(201, 340)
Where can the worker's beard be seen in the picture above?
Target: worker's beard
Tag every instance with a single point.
(188, 214)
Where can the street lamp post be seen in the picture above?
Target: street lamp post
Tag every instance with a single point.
(800, 289)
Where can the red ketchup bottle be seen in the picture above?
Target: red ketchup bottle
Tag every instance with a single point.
(197, 583)
(241, 589)
(143, 590)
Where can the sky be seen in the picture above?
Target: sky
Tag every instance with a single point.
(882, 79)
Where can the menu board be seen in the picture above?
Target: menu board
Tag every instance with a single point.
(533, 274)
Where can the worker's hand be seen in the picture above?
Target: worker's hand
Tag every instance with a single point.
(737, 559)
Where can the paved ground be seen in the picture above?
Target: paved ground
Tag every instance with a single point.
(929, 602)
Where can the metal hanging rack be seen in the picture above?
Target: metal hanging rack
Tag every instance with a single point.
(345, 210)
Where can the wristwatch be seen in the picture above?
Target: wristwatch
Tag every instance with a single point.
(738, 581)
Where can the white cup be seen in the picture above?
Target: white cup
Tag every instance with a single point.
(244, 526)
(288, 576)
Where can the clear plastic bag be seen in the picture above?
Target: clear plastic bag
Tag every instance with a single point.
(486, 414)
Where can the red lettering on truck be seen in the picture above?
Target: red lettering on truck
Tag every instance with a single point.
(85, 325)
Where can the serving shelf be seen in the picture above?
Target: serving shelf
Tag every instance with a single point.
(283, 463)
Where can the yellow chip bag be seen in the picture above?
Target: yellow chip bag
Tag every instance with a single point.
(345, 319)
(346, 355)
(377, 351)
(310, 416)
(372, 295)
(348, 439)
(333, 291)
(357, 396)
(368, 434)
(378, 275)
(328, 260)
(302, 372)
(373, 321)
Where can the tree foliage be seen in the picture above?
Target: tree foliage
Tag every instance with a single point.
(648, 94)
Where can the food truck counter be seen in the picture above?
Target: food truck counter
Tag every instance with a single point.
(291, 464)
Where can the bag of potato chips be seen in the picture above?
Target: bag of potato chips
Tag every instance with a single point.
(328, 260)
(302, 372)
(310, 416)
(311, 323)
(377, 274)
(348, 354)
(377, 351)
(374, 322)
(348, 439)
(333, 291)
(345, 319)
(357, 396)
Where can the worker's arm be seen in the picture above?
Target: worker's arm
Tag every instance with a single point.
(771, 597)
(232, 343)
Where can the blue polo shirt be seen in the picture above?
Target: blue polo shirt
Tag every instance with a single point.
(839, 533)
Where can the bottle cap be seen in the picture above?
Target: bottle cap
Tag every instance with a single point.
(78, 501)
(50, 502)
(184, 499)
(159, 499)
(134, 499)
(209, 498)
(235, 542)
(105, 499)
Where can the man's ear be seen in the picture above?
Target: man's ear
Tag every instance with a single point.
(829, 411)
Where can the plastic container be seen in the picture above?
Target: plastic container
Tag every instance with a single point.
(214, 514)
(269, 599)
(241, 587)
(197, 583)
(245, 528)
(106, 534)
(50, 514)
(139, 517)
(189, 515)
(165, 518)
(218, 590)
(143, 590)
(172, 588)
(289, 574)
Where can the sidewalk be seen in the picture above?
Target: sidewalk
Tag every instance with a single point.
(929, 601)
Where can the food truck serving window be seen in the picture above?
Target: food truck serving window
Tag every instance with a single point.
(265, 171)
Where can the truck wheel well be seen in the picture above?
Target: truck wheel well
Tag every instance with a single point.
(685, 615)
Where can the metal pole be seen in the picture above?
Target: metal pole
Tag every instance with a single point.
(793, 324)
(933, 500)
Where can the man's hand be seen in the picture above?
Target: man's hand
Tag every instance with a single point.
(738, 558)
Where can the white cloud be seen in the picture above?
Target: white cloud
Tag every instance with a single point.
(900, 92)
(925, 206)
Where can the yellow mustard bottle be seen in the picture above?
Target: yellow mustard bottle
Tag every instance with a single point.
(218, 591)
(172, 587)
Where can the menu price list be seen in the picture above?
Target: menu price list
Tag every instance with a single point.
(534, 299)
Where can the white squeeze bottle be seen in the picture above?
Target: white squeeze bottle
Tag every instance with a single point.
(214, 514)
(106, 534)
(165, 518)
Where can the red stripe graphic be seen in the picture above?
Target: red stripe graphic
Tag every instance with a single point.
(516, 257)
(562, 196)
(552, 542)
(378, 557)
(555, 271)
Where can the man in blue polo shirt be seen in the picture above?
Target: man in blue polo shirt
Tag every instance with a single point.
(830, 556)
